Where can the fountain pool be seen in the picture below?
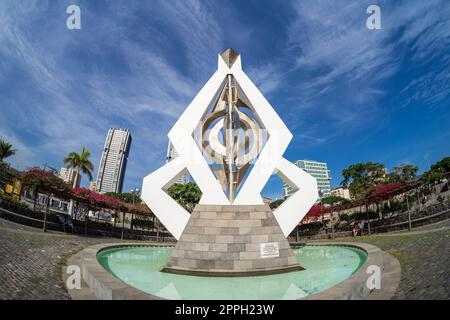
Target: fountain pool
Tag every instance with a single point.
(325, 266)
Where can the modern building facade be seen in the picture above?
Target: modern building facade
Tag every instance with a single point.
(341, 192)
(68, 175)
(10, 182)
(113, 164)
(172, 154)
(318, 170)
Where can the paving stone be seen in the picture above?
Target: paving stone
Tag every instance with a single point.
(30, 261)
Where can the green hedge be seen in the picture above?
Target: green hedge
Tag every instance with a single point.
(10, 198)
(363, 215)
(143, 223)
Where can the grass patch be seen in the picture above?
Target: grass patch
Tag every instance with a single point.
(35, 280)
(62, 262)
(64, 258)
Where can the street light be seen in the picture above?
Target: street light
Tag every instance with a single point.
(320, 202)
(409, 212)
(135, 193)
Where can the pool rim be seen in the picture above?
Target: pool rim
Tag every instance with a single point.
(101, 284)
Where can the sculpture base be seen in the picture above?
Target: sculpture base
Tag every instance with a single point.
(230, 240)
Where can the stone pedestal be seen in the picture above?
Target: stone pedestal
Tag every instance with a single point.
(232, 241)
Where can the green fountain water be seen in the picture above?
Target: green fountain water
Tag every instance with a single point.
(325, 266)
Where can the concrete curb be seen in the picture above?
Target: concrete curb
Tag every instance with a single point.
(355, 287)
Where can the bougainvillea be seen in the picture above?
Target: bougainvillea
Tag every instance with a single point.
(48, 182)
(385, 189)
(43, 180)
(316, 210)
(97, 199)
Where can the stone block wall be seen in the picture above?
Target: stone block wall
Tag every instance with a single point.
(227, 240)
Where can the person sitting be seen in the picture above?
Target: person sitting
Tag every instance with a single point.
(71, 224)
(62, 219)
(355, 229)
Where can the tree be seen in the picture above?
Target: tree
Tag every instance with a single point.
(3, 170)
(80, 162)
(187, 195)
(431, 177)
(127, 197)
(46, 182)
(437, 171)
(331, 200)
(404, 173)
(361, 178)
(6, 150)
(442, 165)
(275, 204)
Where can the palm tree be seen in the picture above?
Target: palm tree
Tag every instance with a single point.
(6, 150)
(80, 162)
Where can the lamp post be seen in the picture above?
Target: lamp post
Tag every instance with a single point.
(123, 222)
(135, 193)
(409, 212)
(320, 202)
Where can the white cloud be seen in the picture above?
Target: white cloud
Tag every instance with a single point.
(73, 102)
(267, 77)
(75, 109)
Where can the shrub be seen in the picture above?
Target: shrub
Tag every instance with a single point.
(363, 215)
(142, 223)
(9, 197)
(312, 226)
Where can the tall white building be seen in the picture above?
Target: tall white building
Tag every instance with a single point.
(68, 176)
(113, 163)
(172, 154)
(318, 170)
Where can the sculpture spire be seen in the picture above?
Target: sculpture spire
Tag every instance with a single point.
(229, 56)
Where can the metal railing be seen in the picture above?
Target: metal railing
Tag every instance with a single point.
(79, 224)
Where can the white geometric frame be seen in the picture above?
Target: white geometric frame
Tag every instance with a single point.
(270, 160)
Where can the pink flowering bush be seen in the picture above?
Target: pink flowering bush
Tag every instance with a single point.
(97, 199)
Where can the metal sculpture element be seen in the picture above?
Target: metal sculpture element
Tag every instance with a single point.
(230, 137)
(231, 141)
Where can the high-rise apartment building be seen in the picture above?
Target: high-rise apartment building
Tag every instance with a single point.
(113, 163)
(318, 170)
(172, 154)
(68, 176)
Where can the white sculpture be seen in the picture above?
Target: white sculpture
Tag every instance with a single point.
(230, 124)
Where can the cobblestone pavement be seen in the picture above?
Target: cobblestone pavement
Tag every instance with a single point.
(31, 261)
(438, 225)
(424, 256)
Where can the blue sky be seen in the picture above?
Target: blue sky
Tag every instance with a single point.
(347, 93)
